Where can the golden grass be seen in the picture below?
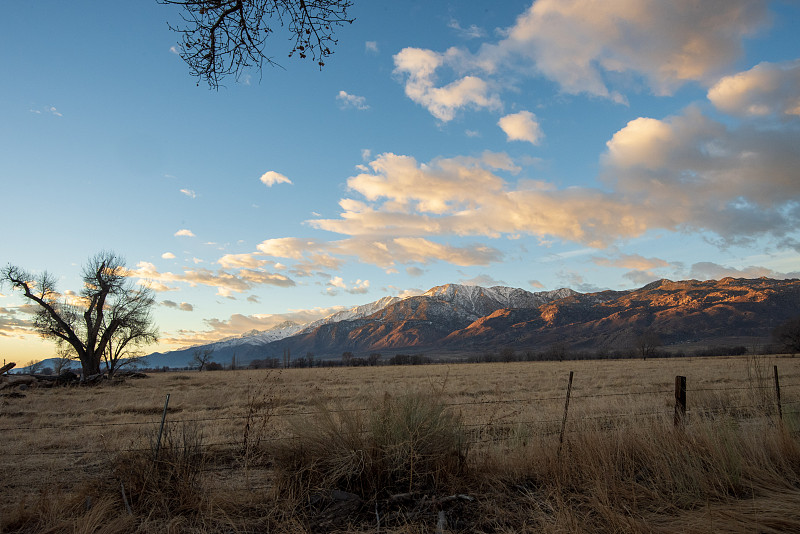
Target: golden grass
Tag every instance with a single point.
(623, 468)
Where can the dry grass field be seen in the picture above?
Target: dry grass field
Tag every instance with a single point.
(433, 448)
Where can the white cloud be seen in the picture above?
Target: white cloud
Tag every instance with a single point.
(13, 325)
(521, 126)
(183, 306)
(641, 278)
(713, 271)
(683, 173)
(472, 32)
(47, 109)
(347, 100)
(360, 287)
(189, 193)
(168, 256)
(766, 89)
(635, 262)
(271, 178)
(246, 261)
(414, 271)
(238, 323)
(371, 46)
(483, 280)
(442, 102)
(578, 42)
(184, 233)
(463, 196)
(156, 286)
(696, 174)
(313, 256)
(584, 46)
(224, 281)
(641, 269)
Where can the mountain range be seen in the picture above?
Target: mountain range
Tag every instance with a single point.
(455, 319)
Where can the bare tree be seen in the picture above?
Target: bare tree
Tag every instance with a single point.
(223, 37)
(34, 367)
(647, 343)
(109, 307)
(788, 335)
(201, 358)
(63, 360)
(124, 347)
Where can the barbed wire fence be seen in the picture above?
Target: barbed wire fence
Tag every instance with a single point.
(489, 421)
(501, 428)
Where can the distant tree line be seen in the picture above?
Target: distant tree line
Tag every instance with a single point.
(646, 345)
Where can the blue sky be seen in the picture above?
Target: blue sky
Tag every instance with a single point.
(537, 145)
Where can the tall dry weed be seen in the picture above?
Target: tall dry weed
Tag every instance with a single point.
(630, 479)
(81, 512)
(405, 443)
(165, 479)
(759, 379)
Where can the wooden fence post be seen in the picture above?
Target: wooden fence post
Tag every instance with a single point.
(778, 393)
(161, 430)
(566, 407)
(680, 401)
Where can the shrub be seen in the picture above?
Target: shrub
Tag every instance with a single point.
(165, 479)
(407, 443)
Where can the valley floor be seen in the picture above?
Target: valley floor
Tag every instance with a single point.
(474, 448)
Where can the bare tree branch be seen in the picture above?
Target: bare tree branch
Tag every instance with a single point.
(201, 358)
(224, 37)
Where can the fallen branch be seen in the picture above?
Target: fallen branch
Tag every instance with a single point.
(18, 381)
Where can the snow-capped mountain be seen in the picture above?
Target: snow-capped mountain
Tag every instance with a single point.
(356, 312)
(476, 301)
(462, 319)
(261, 337)
(290, 328)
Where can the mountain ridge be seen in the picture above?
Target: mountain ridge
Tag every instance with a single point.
(457, 318)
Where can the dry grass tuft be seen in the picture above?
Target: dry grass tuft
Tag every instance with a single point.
(166, 480)
(632, 479)
(405, 443)
(69, 513)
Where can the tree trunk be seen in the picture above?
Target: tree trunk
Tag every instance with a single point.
(90, 365)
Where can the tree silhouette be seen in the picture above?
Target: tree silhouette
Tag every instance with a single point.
(110, 310)
(647, 343)
(223, 37)
(202, 358)
(788, 335)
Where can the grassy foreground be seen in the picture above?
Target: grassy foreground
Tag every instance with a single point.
(463, 448)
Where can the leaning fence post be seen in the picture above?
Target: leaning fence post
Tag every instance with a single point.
(680, 400)
(566, 407)
(125, 498)
(778, 393)
(161, 430)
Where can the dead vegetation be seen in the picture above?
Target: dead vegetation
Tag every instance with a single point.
(467, 448)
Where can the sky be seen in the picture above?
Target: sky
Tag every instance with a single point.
(540, 145)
